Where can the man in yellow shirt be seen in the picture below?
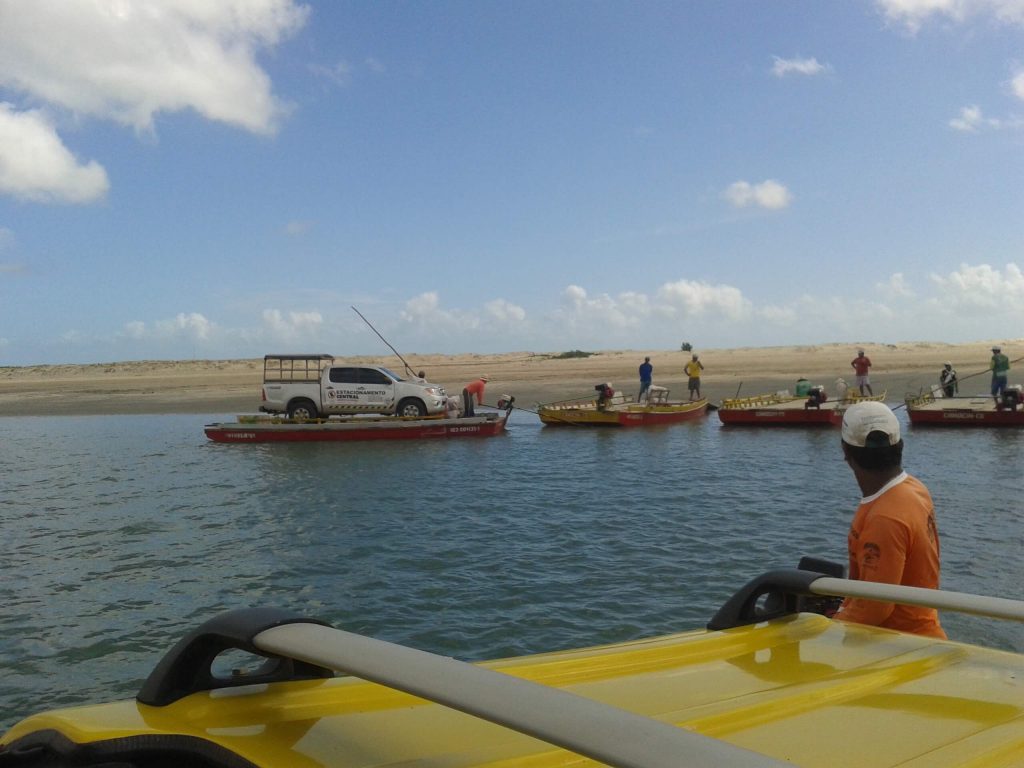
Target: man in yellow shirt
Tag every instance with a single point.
(693, 369)
(893, 538)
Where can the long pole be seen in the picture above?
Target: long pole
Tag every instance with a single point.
(408, 368)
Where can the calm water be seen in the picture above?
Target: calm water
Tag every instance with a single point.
(119, 533)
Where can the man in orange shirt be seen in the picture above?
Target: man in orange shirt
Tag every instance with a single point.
(893, 538)
(475, 387)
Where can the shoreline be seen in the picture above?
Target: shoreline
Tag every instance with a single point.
(233, 386)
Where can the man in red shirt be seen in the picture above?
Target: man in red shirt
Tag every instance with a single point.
(475, 387)
(893, 538)
(861, 364)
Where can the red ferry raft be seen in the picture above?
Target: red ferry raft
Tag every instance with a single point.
(978, 411)
(265, 429)
(784, 409)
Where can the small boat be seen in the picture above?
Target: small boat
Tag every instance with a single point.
(268, 429)
(784, 409)
(769, 682)
(619, 410)
(979, 411)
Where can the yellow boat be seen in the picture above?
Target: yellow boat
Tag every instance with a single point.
(620, 410)
(768, 683)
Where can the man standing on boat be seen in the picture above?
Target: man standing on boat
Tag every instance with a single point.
(948, 380)
(646, 376)
(1000, 367)
(475, 387)
(861, 365)
(893, 538)
(693, 369)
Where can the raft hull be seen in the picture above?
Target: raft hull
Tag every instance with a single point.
(962, 412)
(275, 431)
(786, 411)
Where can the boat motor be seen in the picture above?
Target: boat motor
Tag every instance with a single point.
(1010, 398)
(815, 397)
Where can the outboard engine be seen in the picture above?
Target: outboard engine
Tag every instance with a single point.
(815, 397)
(1010, 398)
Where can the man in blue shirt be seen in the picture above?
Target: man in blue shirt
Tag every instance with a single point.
(646, 375)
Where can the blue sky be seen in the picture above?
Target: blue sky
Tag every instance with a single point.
(184, 179)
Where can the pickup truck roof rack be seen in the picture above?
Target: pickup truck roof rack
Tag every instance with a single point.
(299, 357)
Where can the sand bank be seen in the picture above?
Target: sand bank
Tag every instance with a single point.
(233, 386)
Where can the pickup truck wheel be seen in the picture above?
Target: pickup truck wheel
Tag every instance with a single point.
(302, 410)
(412, 407)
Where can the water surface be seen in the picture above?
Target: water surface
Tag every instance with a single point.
(120, 533)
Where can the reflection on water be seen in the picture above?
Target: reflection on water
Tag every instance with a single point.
(123, 532)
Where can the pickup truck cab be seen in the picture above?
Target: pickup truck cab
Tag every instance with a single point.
(317, 386)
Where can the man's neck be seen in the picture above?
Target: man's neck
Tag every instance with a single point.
(872, 481)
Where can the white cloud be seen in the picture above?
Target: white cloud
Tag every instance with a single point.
(580, 311)
(504, 311)
(1017, 85)
(981, 288)
(283, 326)
(768, 194)
(425, 311)
(693, 298)
(185, 326)
(810, 67)
(895, 287)
(914, 13)
(128, 61)
(340, 74)
(35, 165)
(191, 325)
(971, 120)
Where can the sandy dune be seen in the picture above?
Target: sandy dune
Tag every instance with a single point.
(233, 386)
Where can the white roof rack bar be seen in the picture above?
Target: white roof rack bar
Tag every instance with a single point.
(962, 602)
(587, 727)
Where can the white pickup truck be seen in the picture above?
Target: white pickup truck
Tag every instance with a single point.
(316, 386)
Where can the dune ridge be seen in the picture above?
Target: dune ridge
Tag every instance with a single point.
(233, 386)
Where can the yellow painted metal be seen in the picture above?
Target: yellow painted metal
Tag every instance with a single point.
(587, 413)
(803, 689)
(784, 398)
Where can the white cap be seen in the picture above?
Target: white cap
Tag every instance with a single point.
(861, 419)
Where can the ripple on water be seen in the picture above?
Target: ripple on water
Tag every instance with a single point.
(126, 532)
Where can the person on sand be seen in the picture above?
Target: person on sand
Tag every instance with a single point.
(693, 370)
(948, 380)
(646, 376)
(893, 538)
(861, 365)
(475, 387)
(1000, 367)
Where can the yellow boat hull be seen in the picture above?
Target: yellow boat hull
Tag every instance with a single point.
(802, 689)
